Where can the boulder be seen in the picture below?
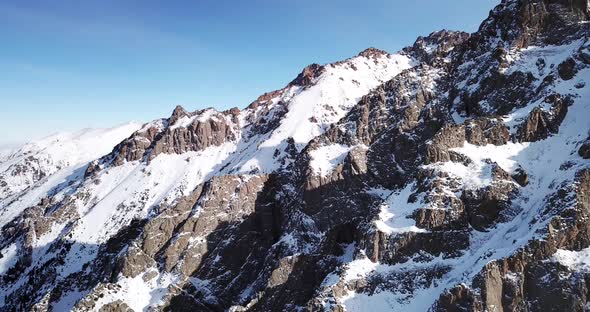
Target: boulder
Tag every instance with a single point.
(567, 69)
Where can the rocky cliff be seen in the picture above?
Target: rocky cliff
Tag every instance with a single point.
(453, 175)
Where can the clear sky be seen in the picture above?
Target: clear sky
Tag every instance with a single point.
(67, 65)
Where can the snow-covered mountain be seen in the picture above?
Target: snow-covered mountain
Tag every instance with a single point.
(453, 175)
(35, 170)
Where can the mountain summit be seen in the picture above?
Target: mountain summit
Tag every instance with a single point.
(453, 175)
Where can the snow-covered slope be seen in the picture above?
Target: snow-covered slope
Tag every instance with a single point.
(451, 176)
(310, 110)
(32, 171)
(550, 164)
(115, 194)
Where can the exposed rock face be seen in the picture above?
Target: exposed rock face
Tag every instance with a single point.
(485, 205)
(437, 45)
(116, 306)
(529, 279)
(181, 132)
(486, 131)
(178, 113)
(541, 123)
(456, 181)
(567, 69)
(372, 53)
(309, 73)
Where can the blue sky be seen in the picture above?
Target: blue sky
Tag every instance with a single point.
(67, 65)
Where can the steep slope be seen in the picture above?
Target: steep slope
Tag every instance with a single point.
(451, 176)
(162, 167)
(502, 186)
(36, 169)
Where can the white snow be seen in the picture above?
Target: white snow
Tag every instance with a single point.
(311, 110)
(542, 160)
(385, 300)
(118, 194)
(332, 97)
(553, 55)
(130, 190)
(138, 293)
(359, 268)
(122, 193)
(326, 158)
(8, 258)
(395, 213)
(61, 156)
(503, 155)
(185, 121)
(66, 149)
(479, 173)
(159, 124)
(574, 260)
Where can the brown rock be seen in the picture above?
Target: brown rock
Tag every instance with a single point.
(200, 134)
(135, 262)
(483, 131)
(483, 206)
(567, 70)
(458, 299)
(308, 75)
(521, 177)
(449, 137)
(490, 283)
(372, 53)
(177, 113)
(540, 124)
(115, 306)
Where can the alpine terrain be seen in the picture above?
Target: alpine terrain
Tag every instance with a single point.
(453, 175)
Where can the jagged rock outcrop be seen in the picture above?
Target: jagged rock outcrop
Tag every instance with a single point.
(484, 206)
(541, 123)
(180, 133)
(307, 76)
(436, 46)
(530, 278)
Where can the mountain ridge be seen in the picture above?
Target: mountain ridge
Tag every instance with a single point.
(451, 176)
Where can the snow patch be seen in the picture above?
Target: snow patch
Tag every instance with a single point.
(130, 190)
(478, 173)
(9, 258)
(311, 110)
(574, 260)
(395, 212)
(140, 293)
(326, 158)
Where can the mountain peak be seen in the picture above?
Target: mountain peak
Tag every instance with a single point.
(521, 23)
(372, 52)
(177, 113)
(436, 44)
(308, 75)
